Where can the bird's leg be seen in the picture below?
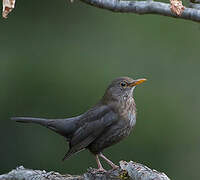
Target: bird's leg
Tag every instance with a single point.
(108, 161)
(100, 167)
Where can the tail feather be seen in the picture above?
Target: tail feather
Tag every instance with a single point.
(40, 121)
(70, 153)
(64, 127)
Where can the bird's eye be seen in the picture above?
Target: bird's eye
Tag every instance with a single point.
(123, 84)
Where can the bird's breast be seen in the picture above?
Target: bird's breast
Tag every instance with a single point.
(128, 112)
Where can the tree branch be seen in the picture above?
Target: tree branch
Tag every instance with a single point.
(144, 7)
(128, 171)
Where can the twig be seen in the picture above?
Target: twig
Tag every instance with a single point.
(144, 7)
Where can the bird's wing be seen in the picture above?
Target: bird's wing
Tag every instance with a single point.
(93, 123)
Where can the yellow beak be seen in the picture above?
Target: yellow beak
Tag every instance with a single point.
(136, 82)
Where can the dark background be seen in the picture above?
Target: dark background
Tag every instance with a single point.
(57, 58)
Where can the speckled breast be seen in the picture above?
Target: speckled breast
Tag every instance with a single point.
(128, 112)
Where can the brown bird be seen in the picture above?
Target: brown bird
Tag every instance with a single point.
(105, 124)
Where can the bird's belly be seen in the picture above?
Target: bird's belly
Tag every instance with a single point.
(111, 136)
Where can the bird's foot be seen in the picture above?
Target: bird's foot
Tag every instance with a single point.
(100, 170)
(109, 161)
(114, 167)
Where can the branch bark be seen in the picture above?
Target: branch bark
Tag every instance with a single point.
(144, 7)
(127, 171)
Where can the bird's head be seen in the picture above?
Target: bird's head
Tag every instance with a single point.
(121, 87)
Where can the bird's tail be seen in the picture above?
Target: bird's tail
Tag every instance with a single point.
(64, 127)
(41, 121)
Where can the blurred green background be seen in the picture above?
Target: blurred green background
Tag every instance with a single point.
(57, 59)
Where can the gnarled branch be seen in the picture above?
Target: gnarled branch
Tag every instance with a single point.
(144, 7)
(128, 171)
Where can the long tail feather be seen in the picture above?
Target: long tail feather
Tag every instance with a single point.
(40, 121)
(64, 127)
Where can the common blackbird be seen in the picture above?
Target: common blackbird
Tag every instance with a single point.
(105, 124)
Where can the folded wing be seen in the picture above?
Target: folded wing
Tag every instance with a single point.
(92, 125)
